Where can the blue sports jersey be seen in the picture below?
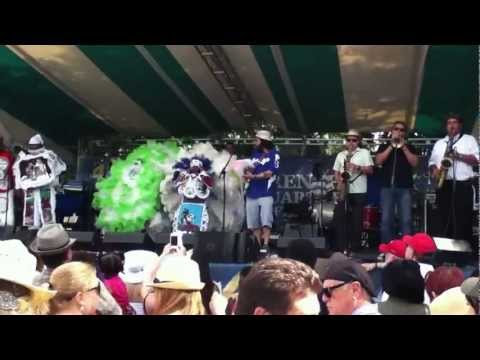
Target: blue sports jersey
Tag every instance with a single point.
(262, 162)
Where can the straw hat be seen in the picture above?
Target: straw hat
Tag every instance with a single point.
(51, 239)
(18, 266)
(451, 302)
(137, 262)
(179, 273)
(264, 135)
(353, 133)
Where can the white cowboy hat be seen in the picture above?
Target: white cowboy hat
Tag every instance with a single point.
(264, 135)
(18, 266)
(51, 239)
(137, 263)
(179, 273)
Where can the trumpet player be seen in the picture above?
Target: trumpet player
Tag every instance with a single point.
(351, 169)
(397, 161)
(451, 165)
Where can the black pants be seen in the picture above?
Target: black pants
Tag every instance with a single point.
(348, 229)
(456, 211)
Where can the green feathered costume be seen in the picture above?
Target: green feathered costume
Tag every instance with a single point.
(129, 197)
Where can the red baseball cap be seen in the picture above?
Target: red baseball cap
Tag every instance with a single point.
(395, 247)
(421, 243)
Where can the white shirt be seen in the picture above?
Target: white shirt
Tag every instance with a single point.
(467, 145)
(361, 157)
(367, 309)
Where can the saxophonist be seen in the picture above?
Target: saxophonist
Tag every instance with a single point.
(451, 165)
(351, 167)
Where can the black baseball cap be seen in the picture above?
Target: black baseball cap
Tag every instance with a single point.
(349, 271)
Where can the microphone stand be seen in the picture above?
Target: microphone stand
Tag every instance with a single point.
(223, 173)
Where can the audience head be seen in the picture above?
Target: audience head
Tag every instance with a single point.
(322, 264)
(302, 250)
(442, 279)
(177, 288)
(244, 273)
(346, 287)
(452, 302)
(18, 296)
(278, 286)
(78, 289)
(418, 245)
(402, 280)
(470, 288)
(394, 250)
(137, 263)
(53, 245)
(111, 265)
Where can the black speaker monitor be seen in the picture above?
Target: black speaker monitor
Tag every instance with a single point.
(214, 247)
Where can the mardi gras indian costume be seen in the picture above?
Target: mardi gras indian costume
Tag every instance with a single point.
(192, 192)
(36, 172)
(7, 218)
(162, 186)
(128, 198)
(193, 181)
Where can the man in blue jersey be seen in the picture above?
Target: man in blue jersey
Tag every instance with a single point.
(262, 184)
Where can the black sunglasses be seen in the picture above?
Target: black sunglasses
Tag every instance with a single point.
(328, 291)
(352, 140)
(400, 129)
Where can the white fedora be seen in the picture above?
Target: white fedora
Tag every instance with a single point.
(264, 135)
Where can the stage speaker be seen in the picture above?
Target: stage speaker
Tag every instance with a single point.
(25, 236)
(214, 247)
(124, 238)
(454, 252)
(83, 237)
(164, 238)
(284, 241)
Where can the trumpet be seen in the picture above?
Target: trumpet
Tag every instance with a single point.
(396, 143)
(445, 165)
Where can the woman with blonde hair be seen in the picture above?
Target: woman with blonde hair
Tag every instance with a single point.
(18, 295)
(77, 287)
(175, 289)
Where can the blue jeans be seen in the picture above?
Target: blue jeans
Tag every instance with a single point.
(391, 198)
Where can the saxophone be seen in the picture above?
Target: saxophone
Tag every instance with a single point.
(446, 164)
(345, 177)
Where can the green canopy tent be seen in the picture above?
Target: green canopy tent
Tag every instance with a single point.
(68, 92)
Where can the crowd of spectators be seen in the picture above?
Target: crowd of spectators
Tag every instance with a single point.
(48, 278)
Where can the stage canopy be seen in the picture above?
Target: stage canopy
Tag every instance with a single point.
(67, 92)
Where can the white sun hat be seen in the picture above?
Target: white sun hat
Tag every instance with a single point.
(179, 273)
(18, 266)
(137, 263)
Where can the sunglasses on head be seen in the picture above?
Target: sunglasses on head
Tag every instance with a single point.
(352, 140)
(96, 289)
(399, 129)
(327, 292)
